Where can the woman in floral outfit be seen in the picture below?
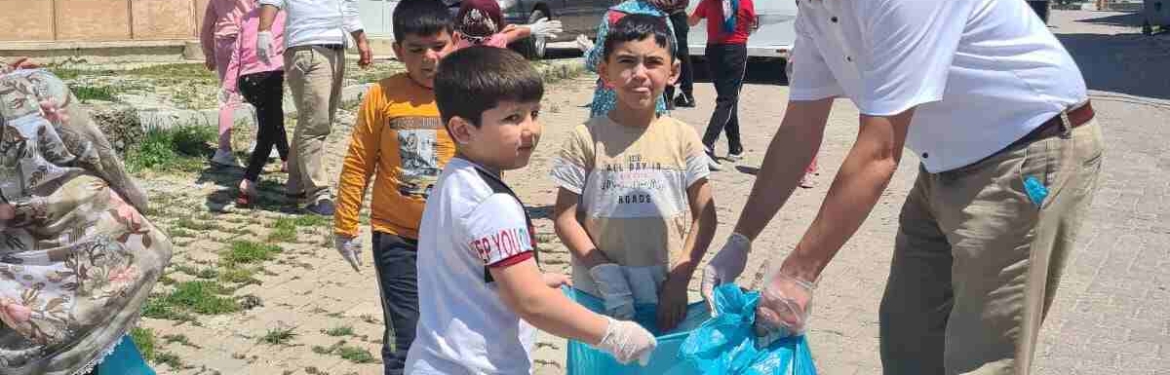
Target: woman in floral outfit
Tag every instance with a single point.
(77, 258)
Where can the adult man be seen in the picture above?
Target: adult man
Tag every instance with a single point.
(314, 57)
(998, 113)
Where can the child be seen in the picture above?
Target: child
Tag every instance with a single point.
(218, 37)
(480, 22)
(399, 140)
(603, 96)
(636, 179)
(262, 85)
(482, 295)
(729, 23)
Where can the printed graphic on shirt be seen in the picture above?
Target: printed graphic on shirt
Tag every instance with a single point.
(637, 187)
(420, 161)
(503, 244)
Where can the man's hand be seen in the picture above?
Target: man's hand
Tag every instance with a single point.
(672, 301)
(725, 267)
(556, 280)
(784, 308)
(350, 249)
(264, 47)
(366, 56)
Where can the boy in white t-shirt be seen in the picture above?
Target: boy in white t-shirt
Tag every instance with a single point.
(481, 293)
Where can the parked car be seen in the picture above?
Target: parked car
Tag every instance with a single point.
(577, 17)
(772, 41)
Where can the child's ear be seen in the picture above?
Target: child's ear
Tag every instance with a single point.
(397, 47)
(675, 71)
(460, 130)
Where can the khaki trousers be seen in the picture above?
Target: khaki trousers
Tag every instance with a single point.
(315, 75)
(976, 264)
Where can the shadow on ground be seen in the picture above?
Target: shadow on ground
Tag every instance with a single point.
(1125, 19)
(1131, 64)
(271, 193)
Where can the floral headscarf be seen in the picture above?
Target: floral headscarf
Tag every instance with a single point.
(478, 20)
(77, 259)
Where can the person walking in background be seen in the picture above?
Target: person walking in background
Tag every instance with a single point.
(677, 9)
(262, 84)
(315, 44)
(729, 23)
(219, 38)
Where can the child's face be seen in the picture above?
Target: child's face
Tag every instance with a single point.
(421, 55)
(506, 138)
(639, 71)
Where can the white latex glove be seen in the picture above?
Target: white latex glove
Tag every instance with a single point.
(264, 46)
(627, 341)
(785, 305)
(543, 28)
(726, 266)
(615, 290)
(350, 249)
(644, 282)
(584, 43)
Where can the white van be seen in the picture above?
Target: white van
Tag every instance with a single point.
(773, 40)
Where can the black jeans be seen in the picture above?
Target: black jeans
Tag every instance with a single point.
(728, 64)
(395, 259)
(265, 91)
(686, 81)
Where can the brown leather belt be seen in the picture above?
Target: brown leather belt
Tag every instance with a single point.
(1054, 127)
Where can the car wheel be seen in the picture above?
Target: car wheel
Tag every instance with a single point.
(533, 48)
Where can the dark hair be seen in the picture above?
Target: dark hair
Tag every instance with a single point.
(420, 17)
(479, 18)
(476, 79)
(637, 27)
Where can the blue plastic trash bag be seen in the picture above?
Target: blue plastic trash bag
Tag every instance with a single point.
(726, 344)
(586, 360)
(125, 360)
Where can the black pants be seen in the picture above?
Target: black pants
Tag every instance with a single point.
(395, 259)
(728, 64)
(265, 91)
(686, 81)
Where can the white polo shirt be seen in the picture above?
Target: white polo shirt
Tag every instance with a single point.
(317, 22)
(982, 73)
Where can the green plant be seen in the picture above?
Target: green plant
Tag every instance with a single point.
(200, 296)
(144, 339)
(180, 148)
(247, 252)
(88, 94)
(238, 276)
(180, 339)
(283, 230)
(278, 336)
(313, 221)
(355, 354)
(169, 359)
(339, 331)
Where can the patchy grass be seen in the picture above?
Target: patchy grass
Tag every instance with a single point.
(236, 275)
(350, 353)
(181, 340)
(170, 359)
(181, 148)
(339, 331)
(180, 233)
(283, 230)
(89, 94)
(313, 221)
(279, 336)
(200, 297)
(144, 340)
(248, 252)
(197, 226)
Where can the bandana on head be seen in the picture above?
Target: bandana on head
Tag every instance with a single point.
(478, 20)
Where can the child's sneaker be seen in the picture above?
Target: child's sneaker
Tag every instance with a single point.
(735, 156)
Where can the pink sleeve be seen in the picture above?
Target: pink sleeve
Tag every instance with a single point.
(498, 40)
(207, 31)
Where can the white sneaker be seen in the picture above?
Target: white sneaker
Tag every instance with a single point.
(713, 164)
(224, 159)
(275, 154)
(735, 157)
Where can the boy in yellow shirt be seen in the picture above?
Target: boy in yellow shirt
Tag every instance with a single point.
(399, 138)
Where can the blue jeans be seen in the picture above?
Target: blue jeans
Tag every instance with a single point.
(395, 259)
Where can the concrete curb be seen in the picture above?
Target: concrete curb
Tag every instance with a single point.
(350, 95)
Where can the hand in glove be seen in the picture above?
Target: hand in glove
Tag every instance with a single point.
(627, 341)
(726, 266)
(543, 28)
(350, 249)
(264, 47)
(615, 290)
(784, 308)
(584, 43)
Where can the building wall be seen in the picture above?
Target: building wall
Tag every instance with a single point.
(99, 20)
